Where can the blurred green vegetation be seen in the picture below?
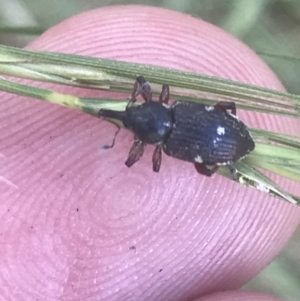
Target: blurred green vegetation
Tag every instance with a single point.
(271, 26)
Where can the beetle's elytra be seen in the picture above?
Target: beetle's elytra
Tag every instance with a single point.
(189, 131)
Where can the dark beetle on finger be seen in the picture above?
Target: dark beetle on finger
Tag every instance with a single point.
(190, 131)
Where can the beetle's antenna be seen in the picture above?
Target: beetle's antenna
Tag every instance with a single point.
(114, 139)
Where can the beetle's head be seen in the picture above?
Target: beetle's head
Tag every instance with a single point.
(151, 122)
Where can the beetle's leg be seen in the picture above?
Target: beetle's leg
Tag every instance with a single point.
(145, 88)
(156, 158)
(114, 139)
(165, 94)
(134, 94)
(203, 170)
(232, 171)
(135, 153)
(141, 86)
(225, 105)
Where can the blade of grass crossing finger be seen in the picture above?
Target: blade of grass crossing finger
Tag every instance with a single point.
(88, 105)
(123, 73)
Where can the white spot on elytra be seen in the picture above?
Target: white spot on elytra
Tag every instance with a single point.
(198, 159)
(167, 124)
(209, 108)
(221, 130)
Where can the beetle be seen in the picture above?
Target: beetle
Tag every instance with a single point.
(198, 133)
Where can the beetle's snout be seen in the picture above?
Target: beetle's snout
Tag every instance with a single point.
(111, 114)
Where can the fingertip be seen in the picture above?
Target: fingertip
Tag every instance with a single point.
(191, 224)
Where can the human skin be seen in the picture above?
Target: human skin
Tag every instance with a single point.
(80, 225)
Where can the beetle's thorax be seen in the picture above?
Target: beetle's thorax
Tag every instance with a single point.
(151, 122)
